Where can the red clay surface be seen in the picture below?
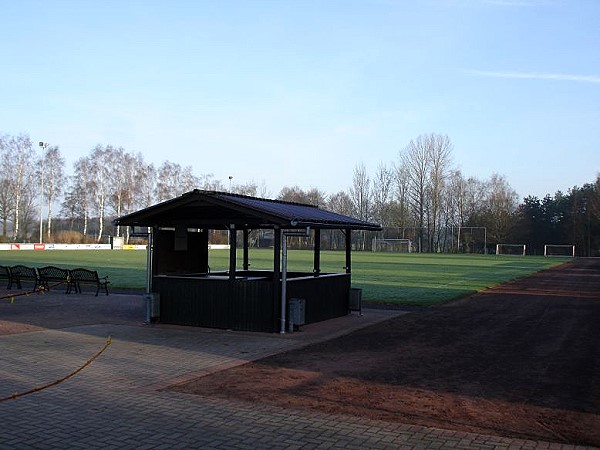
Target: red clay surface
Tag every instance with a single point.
(520, 360)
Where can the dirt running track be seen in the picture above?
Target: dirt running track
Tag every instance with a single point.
(519, 360)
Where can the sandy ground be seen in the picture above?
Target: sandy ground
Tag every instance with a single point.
(519, 360)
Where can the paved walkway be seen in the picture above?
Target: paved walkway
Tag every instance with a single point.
(117, 401)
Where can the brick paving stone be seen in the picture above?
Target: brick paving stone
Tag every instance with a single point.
(115, 401)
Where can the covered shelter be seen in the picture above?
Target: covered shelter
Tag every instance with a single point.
(239, 298)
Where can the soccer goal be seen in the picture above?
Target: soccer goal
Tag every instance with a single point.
(392, 245)
(511, 249)
(559, 250)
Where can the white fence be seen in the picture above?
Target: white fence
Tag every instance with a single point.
(17, 246)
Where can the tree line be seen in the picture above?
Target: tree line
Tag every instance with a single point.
(420, 196)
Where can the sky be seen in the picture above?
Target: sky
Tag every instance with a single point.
(299, 92)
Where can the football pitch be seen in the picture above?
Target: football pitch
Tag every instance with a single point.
(387, 278)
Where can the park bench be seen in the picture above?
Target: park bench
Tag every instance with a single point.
(86, 276)
(5, 275)
(22, 273)
(55, 274)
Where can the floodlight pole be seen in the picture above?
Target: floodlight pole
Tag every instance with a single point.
(43, 146)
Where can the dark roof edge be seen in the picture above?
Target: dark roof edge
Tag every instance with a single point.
(250, 197)
(322, 218)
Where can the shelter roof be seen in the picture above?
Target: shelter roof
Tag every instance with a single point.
(213, 209)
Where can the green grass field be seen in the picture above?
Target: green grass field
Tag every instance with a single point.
(407, 279)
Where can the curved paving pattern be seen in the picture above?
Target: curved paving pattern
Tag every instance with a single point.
(116, 402)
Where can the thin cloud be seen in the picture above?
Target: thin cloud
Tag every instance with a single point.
(520, 2)
(539, 76)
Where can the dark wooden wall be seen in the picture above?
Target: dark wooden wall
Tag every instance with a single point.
(236, 305)
(180, 251)
(326, 296)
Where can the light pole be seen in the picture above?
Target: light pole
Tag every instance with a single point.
(230, 178)
(43, 146)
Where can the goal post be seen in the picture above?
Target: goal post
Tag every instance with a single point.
(565, 250)
(511, 249)
(391, 245)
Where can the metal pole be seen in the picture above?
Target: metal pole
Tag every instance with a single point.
(44, 146)
(283, 281)
(149, 269)
(284, 264)
(42, 208)
(485, 240)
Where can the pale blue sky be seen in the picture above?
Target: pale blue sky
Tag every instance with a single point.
(299, 92)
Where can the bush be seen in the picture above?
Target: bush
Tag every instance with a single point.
(68, 237)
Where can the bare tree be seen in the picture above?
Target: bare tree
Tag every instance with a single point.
(189, 181)
(101, 165)
(382, 195)
(7, 193)
(147, 183)
(440, 149)
(362, 197)
(595, 199)
(20, 180)
(361, 193)
(53, 167)
(467, 197)
(401, 214)
(456, 198)
(208, 182)
(165, 184)
(250, 189)
(77, 203)
(500, 205)
(173, 180)
(341, 203)
(293, 194)
(425, 162)
(119, 182)
(70, 208)
(416, 163)
(263, 190)
(126, 183)
(316, 197)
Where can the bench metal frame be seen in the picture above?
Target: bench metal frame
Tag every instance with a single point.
(85, 276)
(20, 273)
(55, 274)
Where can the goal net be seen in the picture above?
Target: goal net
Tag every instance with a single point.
(392, 245)
(559, 250)
(511, 249)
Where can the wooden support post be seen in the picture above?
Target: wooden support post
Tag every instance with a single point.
(245, 244)
(348, 251)
(232, 251)
(317, 252)
(276, 278)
